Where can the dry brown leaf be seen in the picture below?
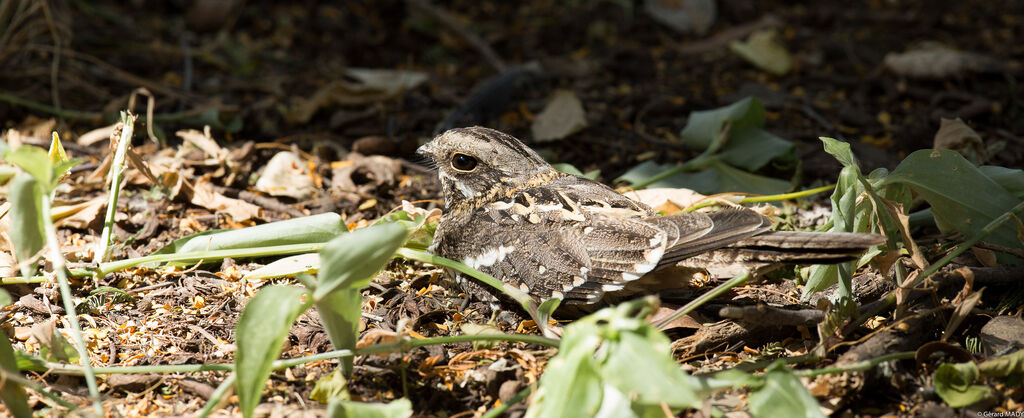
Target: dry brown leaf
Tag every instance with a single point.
(955, 135)
(370, 86)
(80, 215)
(238, 210)
(563, 116)
(286, 174)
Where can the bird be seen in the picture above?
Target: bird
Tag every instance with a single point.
(510, 214)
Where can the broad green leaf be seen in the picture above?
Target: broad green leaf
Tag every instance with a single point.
(5, 299)
(840, 150)
(350, 260)
(261, 330)
(340, 312)
(398, 408)
(751, 148)
(571, 385)
(13, 395)
(718, 177)
(306, 230)
(1011, 179)
(962, 198)
(26, 218)
(954, 383)
(421, 232)
(35, 162)
(704, 126)
(571, 169)
(4, 148)
(608, 356)
(332, 386)
(286, 267)
(1004, 366)
(782, 395)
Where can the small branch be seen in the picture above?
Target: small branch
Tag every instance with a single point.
(702, 299)
(767, 315)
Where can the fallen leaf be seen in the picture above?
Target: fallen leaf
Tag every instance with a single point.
(238, 210)
(764, 50)
(562, 117)
(954, 134)
(683, 16)
(286, 174)
(79, 216)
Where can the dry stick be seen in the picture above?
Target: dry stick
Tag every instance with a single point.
(449, 21)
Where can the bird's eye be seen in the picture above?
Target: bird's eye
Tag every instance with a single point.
(463, 162)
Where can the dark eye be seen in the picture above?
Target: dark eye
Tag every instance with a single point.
(463, 162)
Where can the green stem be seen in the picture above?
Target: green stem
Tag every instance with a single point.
(116, 170)
(856, 367)
(208, 256)
(702, 299)
(60, 368)
(62, 113)
(768, 198)
(219, 393)
(57, 258)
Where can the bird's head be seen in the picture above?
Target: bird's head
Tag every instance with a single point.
(471, 162)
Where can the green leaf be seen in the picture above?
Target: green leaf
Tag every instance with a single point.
(399, 408)
(704, 126)
(340, 312)
(1004, 366)
(481, 329)
(751, 148)
(840, 150)
(306, 230)
(610, 356)
(954, 384)
(350, 260)
(332, 386)
(13, 394)
(782, 395)
(4, 148)
(26, 220)
(35, 162)
(261, 330)
(286, 267)
(5, 299)
(718, 177)
(1011, 179)
(962, 198)
(421, 232)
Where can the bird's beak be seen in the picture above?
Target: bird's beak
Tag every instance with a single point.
(425, 150)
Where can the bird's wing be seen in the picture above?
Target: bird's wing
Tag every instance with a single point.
(569, 245)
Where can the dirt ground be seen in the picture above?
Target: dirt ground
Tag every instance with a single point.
(271, 76)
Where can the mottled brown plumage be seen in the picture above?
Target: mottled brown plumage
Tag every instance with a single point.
(510, 214)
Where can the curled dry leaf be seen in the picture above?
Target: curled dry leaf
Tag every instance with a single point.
(286, 174)
(666, 200)
(563, 116)
(238, 210)
(954, 134)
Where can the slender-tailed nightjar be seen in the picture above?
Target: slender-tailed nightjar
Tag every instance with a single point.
(511, 215)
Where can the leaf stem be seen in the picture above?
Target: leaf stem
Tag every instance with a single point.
(702, 299)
